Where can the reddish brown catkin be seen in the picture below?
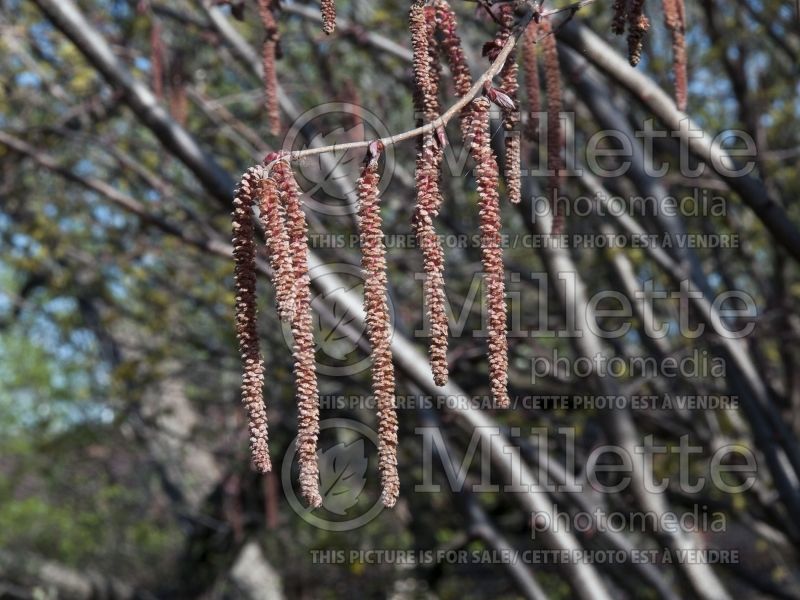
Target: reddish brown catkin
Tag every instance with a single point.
(620, 16)
(244, 255)
(530, 67)
(638, 25)
(487, 177)
(451, 47)
(328, 8)
(157, 59)
(429, 200)
(427, 208)
(425, 61)
(431, 103)
(555, 163)
(675, 19)
(268, 55)
(271, 215)
(303, 333)
(376, 308)
(178, 99)
(509, 84)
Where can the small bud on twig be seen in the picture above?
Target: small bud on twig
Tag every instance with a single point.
(498, 97)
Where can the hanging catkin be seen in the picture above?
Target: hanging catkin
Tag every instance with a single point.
(303, 333)
(675, 19)
(271, 215)
(555, 163)
(244, 254)
(451, 47)
(328, 9)
(428, 169)
(376, 309)
(620, 16)
(157, 58)
(509, 85)
(487, 177)
(638, 24)
(178, 100)
(268, 54)
(530, 67)
(430, 100)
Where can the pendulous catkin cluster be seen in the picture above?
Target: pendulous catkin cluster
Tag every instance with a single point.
(244, 255)
(328, 9)
(638, 25)
(268, 55)
(427, 173)
(273, 188)
(376, 309)
(487, 177)
(555, 162)
(675, 20)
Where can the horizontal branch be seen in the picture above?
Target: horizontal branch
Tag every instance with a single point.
(35, 571)
(122, 200)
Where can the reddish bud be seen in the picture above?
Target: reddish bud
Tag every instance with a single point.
(374, 152)
(498, 97)
(271, 158)
(441, 137)
(491, 47)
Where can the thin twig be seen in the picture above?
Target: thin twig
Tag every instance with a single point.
(444, 118)
(440, 121)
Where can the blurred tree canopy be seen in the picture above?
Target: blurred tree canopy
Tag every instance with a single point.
(123, 449)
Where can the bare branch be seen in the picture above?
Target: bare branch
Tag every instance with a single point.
(751, 189)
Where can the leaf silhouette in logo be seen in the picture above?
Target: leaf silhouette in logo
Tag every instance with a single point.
(342, 475)
(337, 166)
(333, 339)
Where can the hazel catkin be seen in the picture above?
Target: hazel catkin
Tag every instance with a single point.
(376, 309)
